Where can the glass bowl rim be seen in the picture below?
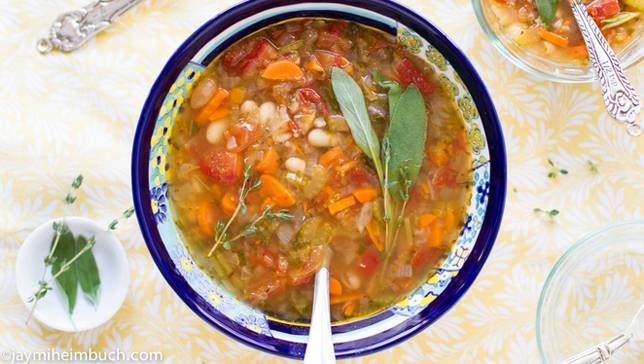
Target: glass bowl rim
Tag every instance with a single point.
(587, 77)
(557, 266)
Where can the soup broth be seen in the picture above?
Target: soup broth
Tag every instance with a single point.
(265, 179)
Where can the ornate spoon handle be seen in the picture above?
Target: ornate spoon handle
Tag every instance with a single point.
(601, 352)
(72, 29)
(620, 97)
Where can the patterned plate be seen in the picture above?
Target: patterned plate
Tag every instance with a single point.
(209, 299)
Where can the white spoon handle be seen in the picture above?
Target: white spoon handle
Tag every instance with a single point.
(320, 347)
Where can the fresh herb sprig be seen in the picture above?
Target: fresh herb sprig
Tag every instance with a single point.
(221, 228)
(251, 228)
(547, 10)
(592, 167)
(554, 170)
(402, 145)
(550, 213)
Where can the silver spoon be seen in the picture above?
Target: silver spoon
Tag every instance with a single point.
(319, 349)
(73, 29)
(620, 98)
(605, 350)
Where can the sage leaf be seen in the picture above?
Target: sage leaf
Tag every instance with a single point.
(87, 272)
(406, 134)
(394, 89)
(67, 280)
(353, 107)
(547, 10)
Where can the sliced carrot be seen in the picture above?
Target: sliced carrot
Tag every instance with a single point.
(347, 167)
(220, 113)
(276, 191)
(229, 203)
(237, 94)
(349, 308)
(449, 219)
(425, 220)
(206, 217)
(374, 235)
(269, 162)
(283, 70)
(353, 296)
(579, 51)
(365, 194)
(341, 204)
(553, 38)
(435, 235)
(335, 287)
(330, 156)
(213, 104)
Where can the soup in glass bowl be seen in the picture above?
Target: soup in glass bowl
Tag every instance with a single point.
(311, 132)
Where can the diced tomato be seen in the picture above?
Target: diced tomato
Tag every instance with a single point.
(244, 134)
(332, 37)
(602, 9)
(330, 59)
(408, 73)
(245, 59)
(361, 176)
(425, 255)
(444, 177)
(224, 167)
(310, 96)
(368, 263)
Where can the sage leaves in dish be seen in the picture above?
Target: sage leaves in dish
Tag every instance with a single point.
(403, 144)
(66, 276)
(87, 271)
(547, 10)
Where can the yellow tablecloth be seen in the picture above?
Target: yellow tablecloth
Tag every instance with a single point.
(68, 114)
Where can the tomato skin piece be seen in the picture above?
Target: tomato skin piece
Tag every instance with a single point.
(408, 73)
(603, 9)
(309, 95)
(223, 167)
(368, 263)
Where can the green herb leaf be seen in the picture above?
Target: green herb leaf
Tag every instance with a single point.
(87, 271)
(67, 280)
(394, 89)
(547, 10)
(407, 133)
(351, 101)
(78, 181)
(619, 19)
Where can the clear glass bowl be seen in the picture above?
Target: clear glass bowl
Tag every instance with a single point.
(539, 66)
(592, 293)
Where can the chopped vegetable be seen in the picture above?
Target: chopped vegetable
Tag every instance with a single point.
(373, 231)
(603, 9)
(335, 287)
(237, 94)
(365, 194)
(205, 114)
(353, 296)
(283, 71)
(435, 238)
(269, 162)
(206, 218)
(368, 263)
(341, 204)
(425, 220)
(553, 38)
(619, 19)
(276, 191)
(229, 203)
(224, 167)
(331, 156)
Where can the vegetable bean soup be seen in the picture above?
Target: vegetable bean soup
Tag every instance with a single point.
(315, 142)
(548, 27)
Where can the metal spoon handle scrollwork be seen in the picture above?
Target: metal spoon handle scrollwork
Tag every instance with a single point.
(620, 98)
(73, 29)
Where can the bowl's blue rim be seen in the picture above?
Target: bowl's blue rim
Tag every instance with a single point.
(459, 284)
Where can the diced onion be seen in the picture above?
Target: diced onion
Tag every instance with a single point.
(404, 271)
(285, 233)
(364, 217)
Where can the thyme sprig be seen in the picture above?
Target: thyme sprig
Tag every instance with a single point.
(550, 213)
(221, 228)
(251, 228)
(554, 170)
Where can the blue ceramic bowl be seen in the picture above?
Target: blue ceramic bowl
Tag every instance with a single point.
(206, 297)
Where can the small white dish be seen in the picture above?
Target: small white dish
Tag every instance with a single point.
(112, 266)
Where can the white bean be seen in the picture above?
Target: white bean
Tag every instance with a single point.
(202, 93)
(249, 110)
(320, 138)
(267, 113)
(294, 164)
(215, 131)
(319, 122)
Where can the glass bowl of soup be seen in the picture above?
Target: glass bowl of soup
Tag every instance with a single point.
(248, 167)
(546, 42)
